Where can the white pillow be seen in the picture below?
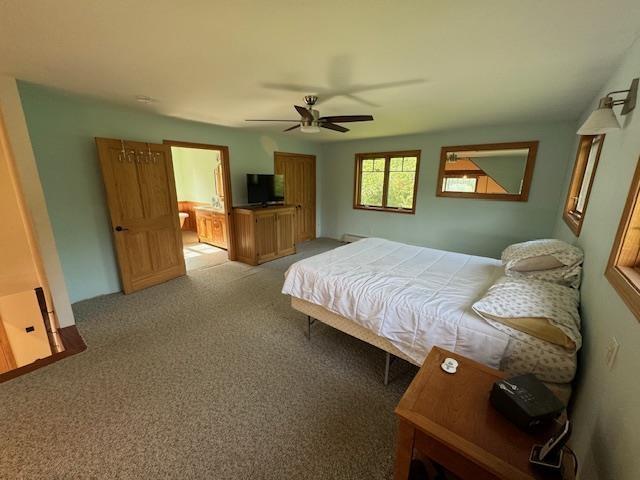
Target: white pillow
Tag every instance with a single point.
(548, 259)
(544, 310)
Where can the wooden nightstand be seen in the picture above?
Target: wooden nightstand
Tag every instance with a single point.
(448, 419)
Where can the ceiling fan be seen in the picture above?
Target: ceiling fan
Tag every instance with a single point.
(311, 121)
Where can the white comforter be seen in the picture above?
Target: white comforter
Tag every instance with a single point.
(415, 297)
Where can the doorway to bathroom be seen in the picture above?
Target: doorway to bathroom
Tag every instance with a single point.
(203, 192)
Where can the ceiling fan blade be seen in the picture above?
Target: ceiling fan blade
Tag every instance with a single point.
(292, 87)
(333, 126)
(306, 114)
(347, 118)
(262, 120)
(292, 128)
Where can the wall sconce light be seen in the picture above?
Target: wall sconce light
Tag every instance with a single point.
(603, 119)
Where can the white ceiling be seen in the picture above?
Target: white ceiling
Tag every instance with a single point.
(457, 63)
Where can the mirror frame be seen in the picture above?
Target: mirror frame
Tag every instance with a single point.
(523, 196)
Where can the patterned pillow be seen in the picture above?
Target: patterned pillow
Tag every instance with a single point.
(550, 260)
(544, 310)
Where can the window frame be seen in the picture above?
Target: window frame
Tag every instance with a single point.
(527, 177)
(623, 268)
(359, 157)
(573, 219)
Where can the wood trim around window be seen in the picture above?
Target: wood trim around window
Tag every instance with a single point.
(523, 196)
(385, 188)
(573, 220)
(623, 269)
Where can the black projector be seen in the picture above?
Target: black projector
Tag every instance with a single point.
(526, 401)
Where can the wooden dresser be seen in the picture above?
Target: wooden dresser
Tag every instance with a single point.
(211, 226)
(264, 233)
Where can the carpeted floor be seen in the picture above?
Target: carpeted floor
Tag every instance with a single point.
(207, 376)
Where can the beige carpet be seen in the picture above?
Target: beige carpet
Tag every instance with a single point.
(207, 376)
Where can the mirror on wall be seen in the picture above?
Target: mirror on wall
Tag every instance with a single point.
(496, 171)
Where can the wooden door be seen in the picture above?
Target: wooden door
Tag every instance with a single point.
(141, 195)
(285, 231)
(299, 190)
(266, 238)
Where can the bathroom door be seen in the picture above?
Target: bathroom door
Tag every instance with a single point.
(141, 195)
(299, 172)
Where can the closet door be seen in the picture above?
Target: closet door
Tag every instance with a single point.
(141, 195)
(299, 190)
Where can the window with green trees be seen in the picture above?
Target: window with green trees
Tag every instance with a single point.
(387, 181)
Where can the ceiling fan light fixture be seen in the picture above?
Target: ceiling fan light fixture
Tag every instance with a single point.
(309, 128)
(311, 121)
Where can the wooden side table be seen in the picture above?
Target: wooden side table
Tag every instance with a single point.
(448, 419)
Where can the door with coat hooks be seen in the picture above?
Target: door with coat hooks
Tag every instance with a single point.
(141, 196)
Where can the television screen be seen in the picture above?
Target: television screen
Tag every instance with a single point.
(265, 188)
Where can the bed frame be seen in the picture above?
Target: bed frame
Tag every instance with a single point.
(316, 312)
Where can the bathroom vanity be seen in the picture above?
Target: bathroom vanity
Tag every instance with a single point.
(211, 226)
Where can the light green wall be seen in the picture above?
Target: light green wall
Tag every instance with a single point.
(62, 128)
(193, 169)
(607, 409)
(507, 171)
(482, 227)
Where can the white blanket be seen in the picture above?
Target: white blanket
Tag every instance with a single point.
(415, 297)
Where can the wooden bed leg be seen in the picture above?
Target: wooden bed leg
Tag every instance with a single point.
(387, 362)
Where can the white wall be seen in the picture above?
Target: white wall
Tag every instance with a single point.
(607, 409)
(13, 115)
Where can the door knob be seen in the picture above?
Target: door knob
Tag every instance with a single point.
(120, 228)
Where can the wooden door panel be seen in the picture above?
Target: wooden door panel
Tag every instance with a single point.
(266, 240)
(154, 186)
(166, 253)
(138, 251)
(309, 202)
(208, 227)
(300, 190)
(216, 230)
(286, 233)
(125, 177)
(141, 195)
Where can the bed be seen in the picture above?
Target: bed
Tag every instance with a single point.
(406, 299)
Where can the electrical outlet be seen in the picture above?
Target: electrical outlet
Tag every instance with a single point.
(612, 352)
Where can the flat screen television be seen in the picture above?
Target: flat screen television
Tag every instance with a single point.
(265, 188)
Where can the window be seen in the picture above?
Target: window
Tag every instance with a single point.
(460, 184)
(623, 270)
(584, 171)
(387, 181)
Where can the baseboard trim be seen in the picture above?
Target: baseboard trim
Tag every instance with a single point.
(73, 344)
